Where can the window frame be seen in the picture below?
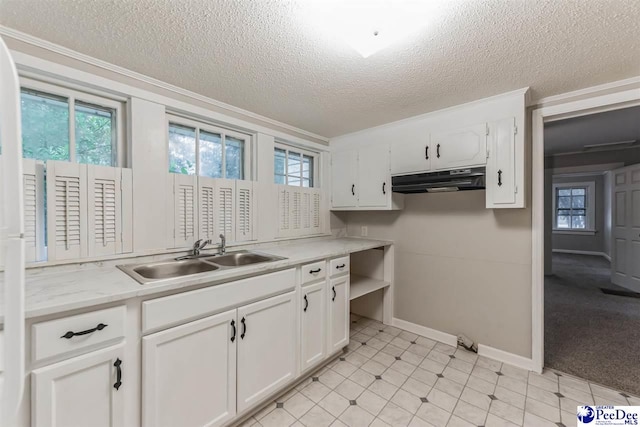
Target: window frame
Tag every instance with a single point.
(315, 181)
(73, 95)
(590, 198)
(209, 128)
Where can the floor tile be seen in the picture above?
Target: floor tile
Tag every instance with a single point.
(392, 350)
(510, 397)
(349, 389)
(377, 422)
(362, 378)
(461, 365)
(371, 402)
(384, 359)
(465, 355)
(490, 364)
(367, 351)
(531, 420)
(412, 358)
(384, 337)
(433, 365)
(481, 385)
(277, 418)
(393, 415)
(495, 421)
(376, 343)
(575, 383)
(403, 367)
(356, 358)
(577, 395)
(383, 389)
(455, 375)
(449, 387)
(569, 419)
(442, 400)
(419, 350)
(543, 396)
(407, 401)
(425, 342)
(315, 391)
(317, 417)
(542, 410)
(400, 343)
(355, 416)
(543, 382)
(439, 357)
(445, 348)
(424, 376)
(298, 405)
(334, 403)
(515, 372)
(470, 413)
(419, 422)
(417, 388)
(331, 379)
(434, 415)
(373, 367)
(344, 368)
(408, 336)
(512, 384)
(394, 377)
(476, 398)
(507, 412)
(485, 374)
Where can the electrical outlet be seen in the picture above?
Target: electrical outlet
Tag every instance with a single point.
(364, 231)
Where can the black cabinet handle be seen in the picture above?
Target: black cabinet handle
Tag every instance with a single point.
(426, 152)
(500, 178)
(117, 364)
(438, 151)
(72, 334)
(315, 271)
(306, 303)
(341, 266)
(384, 185)
(244, 328)
(353, 189)
(333, 288)
(233, 325)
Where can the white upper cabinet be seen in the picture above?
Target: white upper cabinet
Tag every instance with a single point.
(412, 155)
(460, 148)
(374, 181)
(344, 176)
(501, 179)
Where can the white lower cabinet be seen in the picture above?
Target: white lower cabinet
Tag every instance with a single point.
(266, 348)
(87, 390)
(338, 299)
(313, 324)
(189, 373)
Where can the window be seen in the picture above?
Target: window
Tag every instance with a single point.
(199, 149)
(294, 167)
(64, 124)
(573, 206)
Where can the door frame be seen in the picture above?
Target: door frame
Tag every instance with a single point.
(573, 104)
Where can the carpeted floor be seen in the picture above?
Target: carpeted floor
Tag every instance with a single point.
(588, 333)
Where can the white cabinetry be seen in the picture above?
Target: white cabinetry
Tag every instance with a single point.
(338, 300)
(189, 373)
(412, 155)
(344, 177)
(313, 324)
(266, 348)
(83, 391)
(460, 148)
(504, 168)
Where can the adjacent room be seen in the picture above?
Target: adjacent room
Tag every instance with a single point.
(319, 213)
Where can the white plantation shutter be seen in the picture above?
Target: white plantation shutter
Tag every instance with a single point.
(225, 210)
(185, 220)
(33, 193)
(316, 213)
(207, 204)
(296, 212)
(104, 205)
(66, 210)
(284, 210)
(245, 210)
(306, 211)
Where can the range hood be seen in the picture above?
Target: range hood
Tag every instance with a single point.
(437, 182)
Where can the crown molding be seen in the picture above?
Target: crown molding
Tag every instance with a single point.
(69, 53)
(588, 91)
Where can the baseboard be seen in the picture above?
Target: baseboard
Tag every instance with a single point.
(425, 332)
(483, 350)
(505, 357)
(593, 253)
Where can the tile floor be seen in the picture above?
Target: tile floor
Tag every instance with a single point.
(391, 377)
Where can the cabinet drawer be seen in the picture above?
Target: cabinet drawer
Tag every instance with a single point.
(339, 266)
(314, 271)
(60, 336)
(175, 309)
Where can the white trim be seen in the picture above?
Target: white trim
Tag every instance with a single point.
(595, 104)
(574, 232)
(590, 208)
(587, 91)
(425, 332)
(313, 154)
(591, 253)
(505, 357)
(61, 50)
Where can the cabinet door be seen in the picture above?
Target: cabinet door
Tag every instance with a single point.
(374, 189)
(266, 348)
(413, 155)
(338, 313)
(188, 374)
(313, 332)
(344, 176)
(81, 391)
(464, 147)
(501, 180)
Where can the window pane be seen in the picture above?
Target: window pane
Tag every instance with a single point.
(579, 212)
(293, 165)
(279, 162)
(234, 158)
(307, 170)
(578, 191)
(280, 179)
(210, 154)
(577, 201)
(293, 180)
(95, 134)
(578, 221)
(564, 211)
(563, 221)
(45, 126)
(564, 192)
(564, 202)
(306, 183)
(182, 149)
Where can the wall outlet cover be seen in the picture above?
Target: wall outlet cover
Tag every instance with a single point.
(364, 231)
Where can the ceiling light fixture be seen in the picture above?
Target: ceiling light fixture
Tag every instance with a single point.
(369, 26)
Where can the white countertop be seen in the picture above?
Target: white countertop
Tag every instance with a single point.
(50, 291)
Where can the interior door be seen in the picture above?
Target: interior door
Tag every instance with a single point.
(83, 391)
(338, 313)
(312, 312)
(460, 148)
(266, 348)
(625, 247)
(344, 176)
(189, 373)
(374, 190)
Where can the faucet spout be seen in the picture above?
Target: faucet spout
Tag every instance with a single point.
(223, 244)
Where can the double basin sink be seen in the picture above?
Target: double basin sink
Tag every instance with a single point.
(170, 269)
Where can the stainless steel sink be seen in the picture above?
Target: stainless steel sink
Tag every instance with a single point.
(241, 258)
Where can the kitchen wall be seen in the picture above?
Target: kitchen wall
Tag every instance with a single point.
(460, 268)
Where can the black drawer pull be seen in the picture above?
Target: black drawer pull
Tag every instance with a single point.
(499, 178)
(384, 190)
(426, 152)
(306, 303)
(315, 271)
(341, 266)
(72, 334)
(438, 151)
(333, 288)
(244, 328)
(353, 189)
(117, 364)
(233, 325)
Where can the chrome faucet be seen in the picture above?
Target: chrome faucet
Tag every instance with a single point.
(223, 245)
(195, 251)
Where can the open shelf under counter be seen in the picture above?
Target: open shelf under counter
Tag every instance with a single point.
(361, 285)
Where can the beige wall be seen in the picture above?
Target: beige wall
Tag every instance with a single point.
(460, 268)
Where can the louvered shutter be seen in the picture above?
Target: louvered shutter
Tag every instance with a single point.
(296, 212)
(245, 210)
(66, 210)
(126, 188)
(104, 205)
(316, 211)
(284, 211)
(185, 220)
(225, 210)
(33, 193)
(207, 208)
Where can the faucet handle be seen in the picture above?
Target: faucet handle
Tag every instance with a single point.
(197, 243)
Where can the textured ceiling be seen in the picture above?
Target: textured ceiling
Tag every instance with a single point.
(571, 135)
(265, 57)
